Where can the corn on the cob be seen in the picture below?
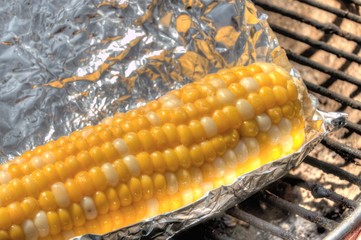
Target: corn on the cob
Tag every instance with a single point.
(153, 159)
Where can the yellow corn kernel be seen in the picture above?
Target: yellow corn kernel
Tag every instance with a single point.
(219, 145)
(16, 212)
(275, 114)
(208, 151)
(4, 235)
(125, 196)
(171, 160)
(185, 135)
(257, 103)
(238, 90)
(30, 206)
(183, 156)
(147, 186)
(203, 106)
(170, 132)
(197, 130)
(54, 223)
(190, 95)
(145, 162)
(160, 185)
(233, 116)
(268, 97)
(84, 181)
(101, 202)
(65, 220)
(158, 161)
(190, 110)
(249, 129)
(160, 139)
(178, 116)
(109, 151)
(292, 91)
(280, 95)
(98, 178)
(183, 178)
(113, 199)
(77, 215)
(133, 142)
(135, 188)
(197, 155)
(16, 189)
(146, 140)
(73, 189)
(47, 201)
(122, 170)
(263, 79)
(221, 121)
(16, 232)
(71, 165)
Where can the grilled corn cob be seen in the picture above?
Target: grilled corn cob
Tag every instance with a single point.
(153, 159)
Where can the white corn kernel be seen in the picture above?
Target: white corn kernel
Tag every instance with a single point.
(48, 157)
(241, 151)
(153, 118)
(89, 208)
(110, 174)
(29, 229)
(209, 126)
(245, 109)
(132, 165)
(196, 175)
(37, 162)
(220, 166)
(172, 183)
(121, 146)
(264, 122)
(41, 223)
(5, 177)
(275, 134)
(230, 159)
(60, 194)
(266, 67)
(152, 207)
(252, 147)
(187, 197)
(225, 96)
(287, 144)
(285, 126)
(217, 83)
(250, 84)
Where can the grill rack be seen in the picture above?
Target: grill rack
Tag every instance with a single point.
(336, 230)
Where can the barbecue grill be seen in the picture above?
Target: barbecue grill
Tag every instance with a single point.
(323, 40)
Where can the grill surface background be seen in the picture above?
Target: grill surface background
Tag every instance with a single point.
(323, 41)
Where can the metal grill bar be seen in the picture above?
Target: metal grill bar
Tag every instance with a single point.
(315, 43)
(327, 28)
(346, 226)
(358, 2)
(260, 223)
(336, 11)
(330, 71)
(345, 151)
(295, 209)
(353, 127)
(318, 191)
(335, 96)
(329, 168)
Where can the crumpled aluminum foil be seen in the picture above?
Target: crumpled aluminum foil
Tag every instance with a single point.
(66, 64)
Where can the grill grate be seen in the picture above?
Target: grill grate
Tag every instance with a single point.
(335, 227)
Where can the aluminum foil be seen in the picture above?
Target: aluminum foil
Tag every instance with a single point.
(66, 64)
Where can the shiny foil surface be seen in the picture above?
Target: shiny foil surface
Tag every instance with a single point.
(66, 64)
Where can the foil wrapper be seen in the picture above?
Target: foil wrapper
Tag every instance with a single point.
(66, 64)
